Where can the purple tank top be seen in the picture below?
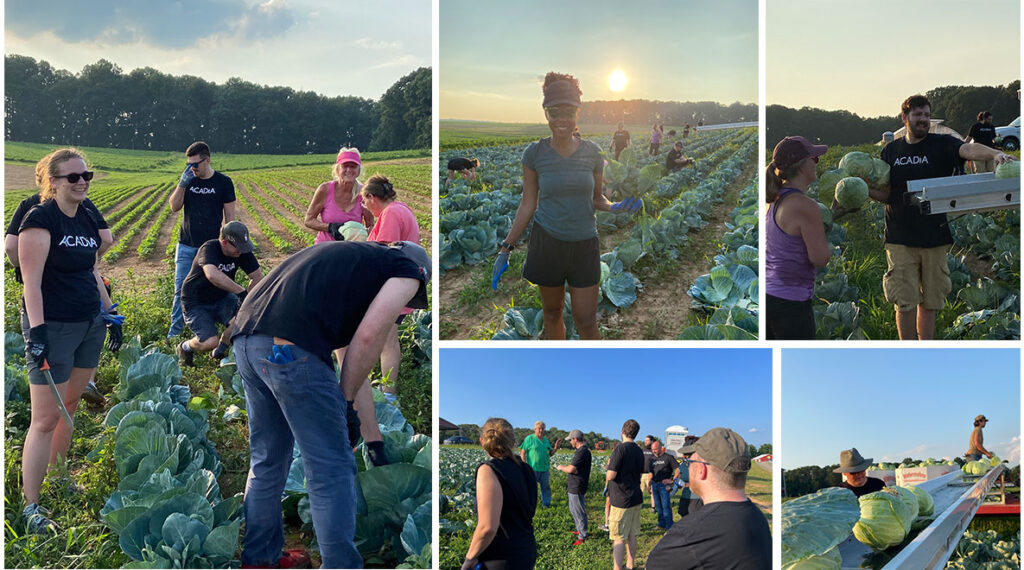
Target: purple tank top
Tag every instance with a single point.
(332, 214)
(789, 273)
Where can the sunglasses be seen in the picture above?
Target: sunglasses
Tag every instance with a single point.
(815, 159)
(74, 176)
(687, 462)
(560, 112)
(196, 164)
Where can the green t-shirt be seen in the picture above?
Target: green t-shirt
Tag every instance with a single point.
(538, 452)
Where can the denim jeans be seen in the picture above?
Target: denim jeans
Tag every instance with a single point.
(544, 477)
(185, 254)
(297, 402)
(662, 503)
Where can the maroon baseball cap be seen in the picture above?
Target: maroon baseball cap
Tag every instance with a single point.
(792, 150)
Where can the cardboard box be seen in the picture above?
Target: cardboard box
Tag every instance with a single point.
(888, 476)
(918, 475)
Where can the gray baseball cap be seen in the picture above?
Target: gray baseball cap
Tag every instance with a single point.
(575, 434)
(419, 256)
(723, 448)
(561, 92)
(237, 235)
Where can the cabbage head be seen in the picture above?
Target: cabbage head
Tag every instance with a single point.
(826, 215)
(879, 173)
(852, 192)
(885, 517)
(605, 271)
(995, 460)
(979, 467)
(827, 184)
(858, 164)
(814, 524)
(925, 503)
(1009, 169)
(830, 560)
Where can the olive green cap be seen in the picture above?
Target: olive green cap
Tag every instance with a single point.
(723, 448)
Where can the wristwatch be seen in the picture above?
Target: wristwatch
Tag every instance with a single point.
(508, 246)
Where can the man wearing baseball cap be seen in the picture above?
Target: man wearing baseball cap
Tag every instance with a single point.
(578, 474)
(328, 296)
(729, 531)
(977, 445)
(209, 294)
(854, 472)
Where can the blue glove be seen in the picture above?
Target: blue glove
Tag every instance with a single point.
(187, 177)
(110, 315)
(500, 265)
(627, 205)
(605, 492)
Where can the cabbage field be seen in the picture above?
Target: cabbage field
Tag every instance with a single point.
(685, 266)
(848, 299)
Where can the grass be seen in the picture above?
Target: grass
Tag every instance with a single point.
(456, 134)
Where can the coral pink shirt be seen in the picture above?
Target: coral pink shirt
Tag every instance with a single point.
(396, 223)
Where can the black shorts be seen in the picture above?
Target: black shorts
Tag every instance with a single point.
(551, 262)
(202, 320)
(789, 320)
(72, 345)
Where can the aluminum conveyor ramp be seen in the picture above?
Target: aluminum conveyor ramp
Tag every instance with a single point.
(956, 502)
(963, 194)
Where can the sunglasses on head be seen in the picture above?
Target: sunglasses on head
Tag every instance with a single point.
(560, 112)
(74, 176)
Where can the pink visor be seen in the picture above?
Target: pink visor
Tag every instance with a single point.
(349, 156)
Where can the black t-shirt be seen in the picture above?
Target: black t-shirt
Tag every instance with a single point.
(934, 156)
(870, 486)
(579, 481)
(204, 208)
(984, 134)
(648, 454)
(514, 542)
(620, 139)
(460, 163)
(663, 467)
(69, 286)
(627, 460)
(197, 289)
(670, 160)
(28, 203)
(732, 535)
(317, 297)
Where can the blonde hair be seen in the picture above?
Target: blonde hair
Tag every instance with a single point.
(49, 166)
(540, 423)
(337, 170)
(497, 438)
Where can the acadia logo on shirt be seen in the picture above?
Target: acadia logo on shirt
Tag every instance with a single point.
(198, 190)
(226, 267)
(78, 241)
(905, 160)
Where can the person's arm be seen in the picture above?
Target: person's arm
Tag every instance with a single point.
(105, 301)
(566, 468)
(33, 249)
(368, 220)
(812, 230)
(552, 450)
(11, 247)
(229, 211)
(976, 443)
(316, 206)
(106, 241)
(488, 515)
(220, 279)
(978, 151)
(527, 206)
(368, 341)
(177, 199)
(522, 455)
(609, 476)
(255, 277)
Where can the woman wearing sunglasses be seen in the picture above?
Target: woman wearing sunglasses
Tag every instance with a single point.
(795, 239)
(67, 306)
(562, 177)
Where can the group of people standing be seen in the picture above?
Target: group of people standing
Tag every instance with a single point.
(917, 278)
(350, 289)
(725, 529)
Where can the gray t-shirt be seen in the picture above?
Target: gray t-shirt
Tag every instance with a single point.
(565, 204)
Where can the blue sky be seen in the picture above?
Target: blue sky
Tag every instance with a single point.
(332, 48)
(895, 403)
(599, 389)
(868, 56)
(494, 55)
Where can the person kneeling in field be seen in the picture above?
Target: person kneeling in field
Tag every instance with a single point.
(729, 531)
(328, 296)
(210, 295)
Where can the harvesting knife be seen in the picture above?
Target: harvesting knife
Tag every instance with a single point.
(56, 395)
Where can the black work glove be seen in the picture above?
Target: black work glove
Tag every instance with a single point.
(221, 351)
(375, 449)
(335, 231)
(37, 348)
(352, 419)
(241, 296)
(17, 275)
(114, 335)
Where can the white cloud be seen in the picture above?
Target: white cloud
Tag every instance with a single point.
(753, 430)
(372, 44)
(400, 61)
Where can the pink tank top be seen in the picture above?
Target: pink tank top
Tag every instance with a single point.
(332, 214)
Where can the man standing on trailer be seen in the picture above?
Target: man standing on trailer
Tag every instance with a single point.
(917, 280)
(208, 198)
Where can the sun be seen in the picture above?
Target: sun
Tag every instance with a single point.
(617, 80)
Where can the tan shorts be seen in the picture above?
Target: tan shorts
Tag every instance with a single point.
(645, 483)
(624, 523)
(916, 276)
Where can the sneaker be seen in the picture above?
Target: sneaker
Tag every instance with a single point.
(36, 521)
(603, 527)
(576, 532)
(579, 541)
(297, 558)
(92, 395)
(185, 357)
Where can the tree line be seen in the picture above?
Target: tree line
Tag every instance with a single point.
(669, 113)
(957, 105)
(147, 109)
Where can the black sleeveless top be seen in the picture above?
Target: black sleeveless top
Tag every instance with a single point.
(514, 543)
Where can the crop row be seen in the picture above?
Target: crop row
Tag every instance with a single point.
(148, 245)
(138, 224)
(288, 222)
(282, 245)
(143, 200)
(106, 198)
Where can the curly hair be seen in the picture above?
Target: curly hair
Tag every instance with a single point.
(553, 76)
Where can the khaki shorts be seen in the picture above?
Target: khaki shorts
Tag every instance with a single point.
(645, 483)
(916, 276)
(624, 523)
